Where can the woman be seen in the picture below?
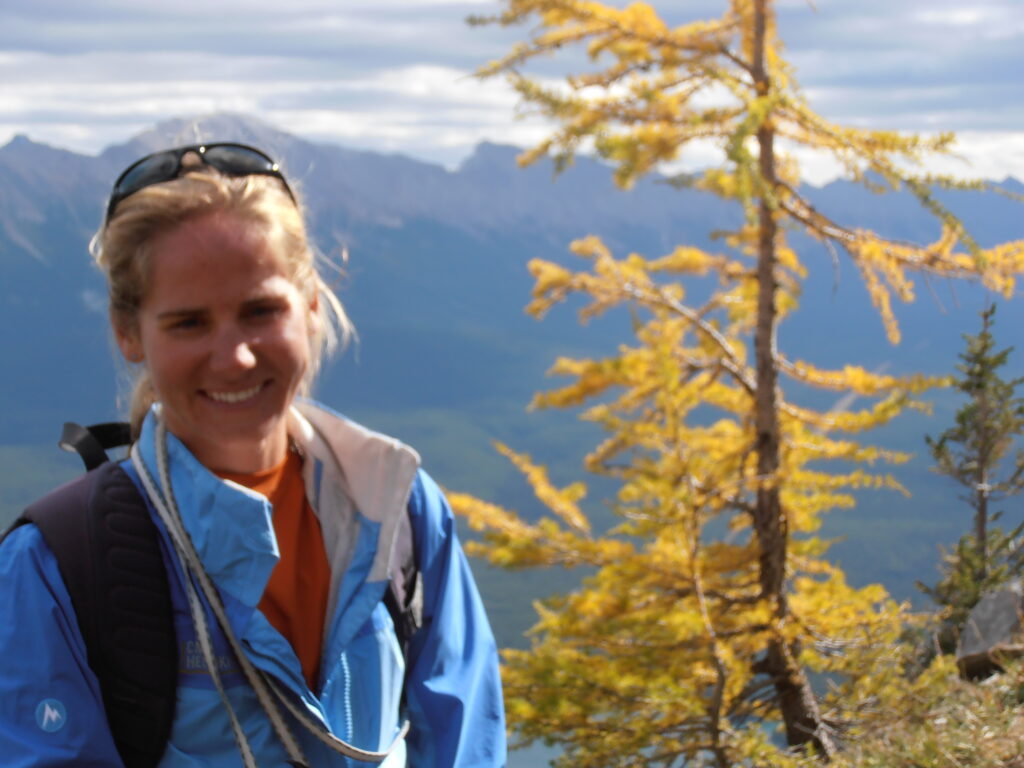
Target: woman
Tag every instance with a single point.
(277, 518)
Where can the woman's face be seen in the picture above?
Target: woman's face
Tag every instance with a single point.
(225, 336)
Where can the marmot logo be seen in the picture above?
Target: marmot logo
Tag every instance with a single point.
(50, 715)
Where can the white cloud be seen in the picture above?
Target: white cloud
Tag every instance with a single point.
(94, 301)
(440, 84)
(957, 17)
(986, 155)
(395, 75)
(989, 155)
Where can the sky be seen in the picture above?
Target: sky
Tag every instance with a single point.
(397, 75)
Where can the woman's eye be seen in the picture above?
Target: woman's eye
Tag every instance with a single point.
(261, 311)
(185, 323)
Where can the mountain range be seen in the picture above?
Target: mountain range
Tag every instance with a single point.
(436, 280)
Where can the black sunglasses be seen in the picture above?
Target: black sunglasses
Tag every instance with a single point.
(228, 158)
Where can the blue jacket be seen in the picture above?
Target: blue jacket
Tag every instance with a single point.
(359, 483)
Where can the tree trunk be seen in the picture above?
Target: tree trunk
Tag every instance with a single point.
(981, 522)
(987, 440)
(797, 703)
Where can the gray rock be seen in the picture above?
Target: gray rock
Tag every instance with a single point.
(994, 631)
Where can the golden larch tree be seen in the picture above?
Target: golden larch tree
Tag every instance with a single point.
(710, 603)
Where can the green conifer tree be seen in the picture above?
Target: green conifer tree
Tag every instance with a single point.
(978, 452)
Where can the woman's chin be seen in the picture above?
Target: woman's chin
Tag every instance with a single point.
(238, 444)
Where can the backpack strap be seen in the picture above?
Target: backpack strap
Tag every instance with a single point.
(93, 442)
(109, 555)
(404, 595)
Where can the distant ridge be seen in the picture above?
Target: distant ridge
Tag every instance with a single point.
(487, 192)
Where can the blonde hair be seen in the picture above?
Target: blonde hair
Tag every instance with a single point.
(121, 248)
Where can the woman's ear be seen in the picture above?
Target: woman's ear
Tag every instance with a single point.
(315, 322)
(128, 341)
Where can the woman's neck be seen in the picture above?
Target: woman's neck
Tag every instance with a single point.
(245, 457)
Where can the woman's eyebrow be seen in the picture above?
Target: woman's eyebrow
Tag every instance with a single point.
(176, 313)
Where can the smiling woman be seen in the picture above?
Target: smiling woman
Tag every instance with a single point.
(225, 336)
(280, 523)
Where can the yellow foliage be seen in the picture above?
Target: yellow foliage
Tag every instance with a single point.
(685, 259)
(859, 380)
(561, 502)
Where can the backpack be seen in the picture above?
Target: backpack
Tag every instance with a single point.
(109, 554)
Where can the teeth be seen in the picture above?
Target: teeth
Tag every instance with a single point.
(235, 397)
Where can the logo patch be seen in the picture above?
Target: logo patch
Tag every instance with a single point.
(51, 715)
(192, 665)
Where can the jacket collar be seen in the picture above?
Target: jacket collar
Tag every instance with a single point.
(230, 526)
(358, 482)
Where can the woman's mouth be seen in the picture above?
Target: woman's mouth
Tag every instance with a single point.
(237, 396)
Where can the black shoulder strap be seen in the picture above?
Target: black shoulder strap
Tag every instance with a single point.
(108, 551)
(93, 442)
(404, 595)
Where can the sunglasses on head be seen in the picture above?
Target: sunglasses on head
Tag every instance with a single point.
(230, 159)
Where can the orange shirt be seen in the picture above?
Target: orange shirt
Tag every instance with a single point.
(295, 599)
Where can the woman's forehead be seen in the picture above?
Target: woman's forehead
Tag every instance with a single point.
(222, 229)
(211, 254)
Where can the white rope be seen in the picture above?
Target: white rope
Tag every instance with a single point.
(190, 560)
(205, 642)
(332, 741)
(261, 683)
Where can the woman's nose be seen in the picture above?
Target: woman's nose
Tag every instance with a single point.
(233, 352)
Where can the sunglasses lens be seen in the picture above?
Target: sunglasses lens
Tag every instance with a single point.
(232, 159)
(149, 171)
(238, 160)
